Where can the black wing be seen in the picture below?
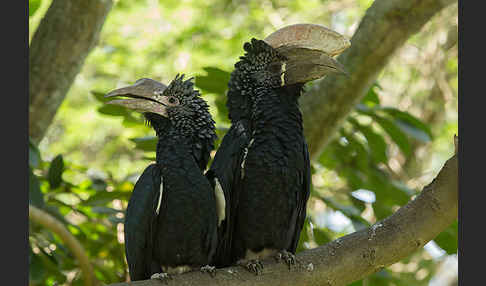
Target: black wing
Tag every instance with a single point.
(302, 199)
(226, 168)
(140, 223)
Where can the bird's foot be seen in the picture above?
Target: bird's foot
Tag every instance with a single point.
(164, 277)
(209, 269)
(287, 257)
(254, 266)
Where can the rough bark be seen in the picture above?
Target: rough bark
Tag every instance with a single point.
(385, 27)
(46, 220)
(356, 255)
(64, 38)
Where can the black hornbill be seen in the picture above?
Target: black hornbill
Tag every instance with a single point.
(172, 218)
(263, 162)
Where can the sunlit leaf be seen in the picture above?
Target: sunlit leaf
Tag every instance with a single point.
(371, 98)
(34, 6)
(101, 198)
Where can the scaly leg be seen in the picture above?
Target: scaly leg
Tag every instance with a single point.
(286, 256)
(164, 277)
(209, 269)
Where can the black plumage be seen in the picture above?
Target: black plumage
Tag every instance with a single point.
(263, 162)
(171, 218)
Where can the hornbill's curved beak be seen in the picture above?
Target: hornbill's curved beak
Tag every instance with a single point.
(310, 49)
(143, 96)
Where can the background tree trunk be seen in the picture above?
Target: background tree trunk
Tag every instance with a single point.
(385, 27)
(65, 36)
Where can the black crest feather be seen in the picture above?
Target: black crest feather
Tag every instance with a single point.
(179, 86)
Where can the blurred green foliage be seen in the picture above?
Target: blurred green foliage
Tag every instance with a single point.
(84, 170)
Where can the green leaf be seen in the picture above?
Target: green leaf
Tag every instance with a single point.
(113, 110)
(34, 155)
(304, 235)
(321, 236)
(371, 98)
(36, 198)
(401, 187)
(376, 144)
(447, 239)
(215, 81)
(34, 6)
(115, 220)
(36, 269)
(101, 198)
(328, 157)
(56, 169)
(350, 211)
(395, 134)
(410, 124)
(148, 143)
(104, 210)
(413, 132)
(381, 278)
(387, 194)
(51, 266)
(129, 120)
(357, 150)
(100, 96)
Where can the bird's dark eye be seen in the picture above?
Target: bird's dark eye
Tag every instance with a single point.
(173, 100)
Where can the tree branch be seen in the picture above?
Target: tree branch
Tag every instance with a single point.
(46, 220)
(356, 255)
(64, 38)
(385, 27)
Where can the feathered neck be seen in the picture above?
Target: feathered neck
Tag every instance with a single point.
(173, 143)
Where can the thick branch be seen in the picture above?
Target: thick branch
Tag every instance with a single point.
(385, 27)
(46, 220)
(356, 255)
(58, 49)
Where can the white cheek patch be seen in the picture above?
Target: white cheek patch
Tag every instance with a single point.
(220, 201)
(161, 191)
(282, 75)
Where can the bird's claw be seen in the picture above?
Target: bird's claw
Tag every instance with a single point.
(254, 266)
(164, 277)
(209, 269)
(287, 257)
